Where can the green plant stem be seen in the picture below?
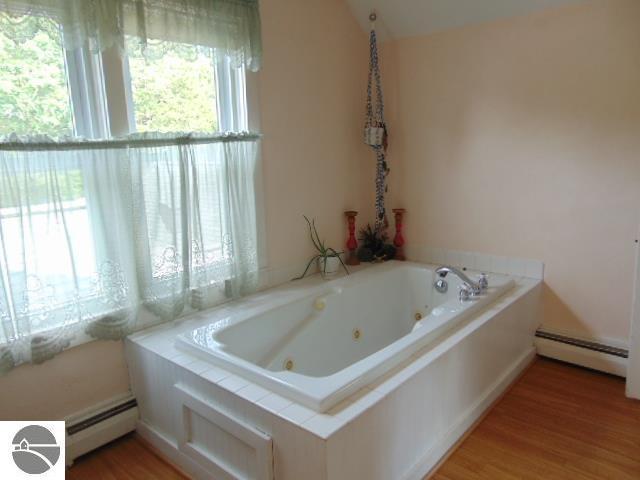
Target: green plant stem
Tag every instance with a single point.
(307, 269)
(323, 252)
(320, 242)
(311, 234)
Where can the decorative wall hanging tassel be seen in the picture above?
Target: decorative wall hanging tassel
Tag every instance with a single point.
(375, 129)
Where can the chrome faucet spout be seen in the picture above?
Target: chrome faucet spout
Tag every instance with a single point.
(474, 287)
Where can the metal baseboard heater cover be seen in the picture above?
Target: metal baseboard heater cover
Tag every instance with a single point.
(595, 346)
(584, 353)
(99, 425)
(101, 417)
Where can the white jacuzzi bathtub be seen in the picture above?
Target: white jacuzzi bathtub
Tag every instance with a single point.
(339, 336)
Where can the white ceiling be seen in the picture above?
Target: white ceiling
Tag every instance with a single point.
(404, 18)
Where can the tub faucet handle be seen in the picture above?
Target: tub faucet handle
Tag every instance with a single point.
(464, 293)
(483, 281)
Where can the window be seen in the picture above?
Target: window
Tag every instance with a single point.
(173, 87)
(62, 226)
(165, 87)
(100, 238)
(179, 87)
(33, 80)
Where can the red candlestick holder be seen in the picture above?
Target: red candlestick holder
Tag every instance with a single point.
(398, 240)
(352, 243)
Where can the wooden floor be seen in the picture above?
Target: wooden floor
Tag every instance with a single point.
(128, 458)
(557, 422)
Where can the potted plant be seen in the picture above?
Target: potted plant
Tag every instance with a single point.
(374, 245)
(329, 261)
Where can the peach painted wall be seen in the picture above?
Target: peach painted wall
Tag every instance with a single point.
(311, 93)
(522, 138)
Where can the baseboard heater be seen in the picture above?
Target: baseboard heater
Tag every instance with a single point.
(586, 353)
(99, 425)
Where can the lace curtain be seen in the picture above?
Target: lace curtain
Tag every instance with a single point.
(232, 27)
(100, 238)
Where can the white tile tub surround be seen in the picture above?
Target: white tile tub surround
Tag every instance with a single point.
(399, 426)
(519, 267)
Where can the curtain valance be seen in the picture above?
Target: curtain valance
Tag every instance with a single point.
(232, 27)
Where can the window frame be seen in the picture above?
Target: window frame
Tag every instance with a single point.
(232, 107)
(101, 97)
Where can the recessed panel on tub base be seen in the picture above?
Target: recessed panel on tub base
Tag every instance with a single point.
(223, 445)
